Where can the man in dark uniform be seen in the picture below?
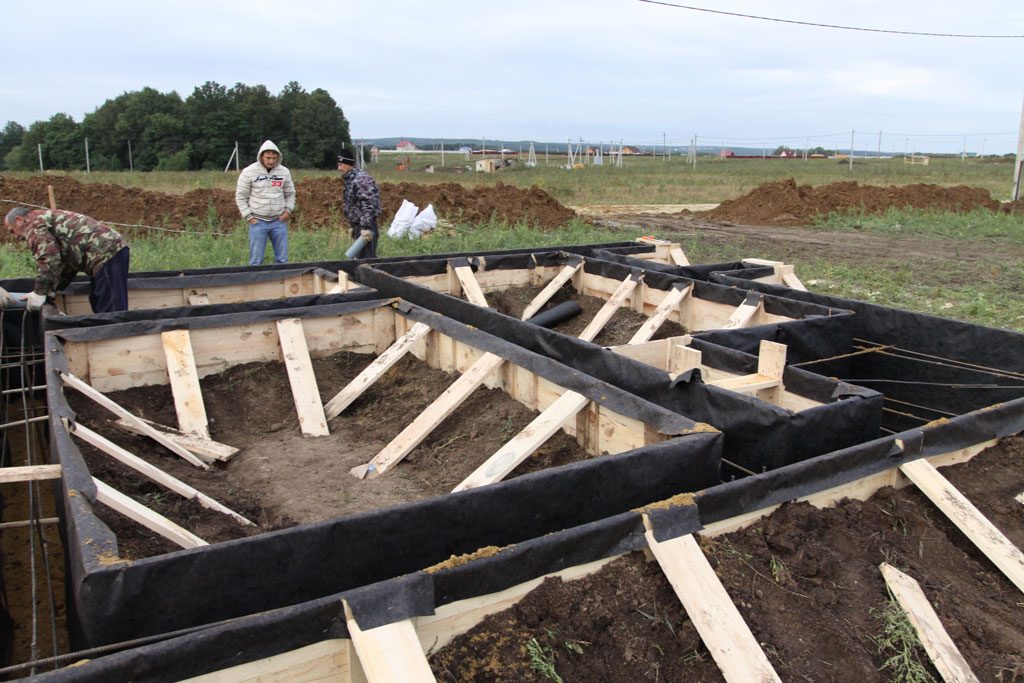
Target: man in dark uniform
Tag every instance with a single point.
(362, 203)
(65, 243)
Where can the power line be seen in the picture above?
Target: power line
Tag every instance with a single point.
(819, 25)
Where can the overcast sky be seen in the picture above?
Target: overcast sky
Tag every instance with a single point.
(548, 70)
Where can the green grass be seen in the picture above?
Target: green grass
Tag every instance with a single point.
(900, 643)
(641, 180)
(976, 224)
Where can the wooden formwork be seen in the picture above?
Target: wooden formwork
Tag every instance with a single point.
(398, 651)
(183, 357)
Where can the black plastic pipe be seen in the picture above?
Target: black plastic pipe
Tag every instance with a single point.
(556, 314)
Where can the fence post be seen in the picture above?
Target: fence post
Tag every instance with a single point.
(131, 166)
(39, 149)
(87, 167)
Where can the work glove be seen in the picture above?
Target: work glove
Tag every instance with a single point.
(34, 302)
(5, 298)
(366, 234)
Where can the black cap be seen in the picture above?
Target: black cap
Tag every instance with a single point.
(347, 156)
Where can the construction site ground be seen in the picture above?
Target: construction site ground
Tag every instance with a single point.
(806, 581)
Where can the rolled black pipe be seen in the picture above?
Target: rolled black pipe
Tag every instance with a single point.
(556, 314)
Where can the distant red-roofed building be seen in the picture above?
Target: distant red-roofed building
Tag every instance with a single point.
(405, 146)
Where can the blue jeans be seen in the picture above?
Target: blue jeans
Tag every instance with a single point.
(277, 231)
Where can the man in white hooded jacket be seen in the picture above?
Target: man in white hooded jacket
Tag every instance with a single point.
(265, 196)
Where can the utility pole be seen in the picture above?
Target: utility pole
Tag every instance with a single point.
(807, 145)
(39, 149)
(663, 145)
(87, 168)
(131, 166)
(1015, 195)
(963, 154)
(879, 143)
(236, 156)
(851, 151)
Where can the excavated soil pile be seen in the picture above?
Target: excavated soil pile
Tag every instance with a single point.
(783, 202)
(319, 203)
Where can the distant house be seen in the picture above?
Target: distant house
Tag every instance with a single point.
(629, 150)
(465, 149)
(788, 153)
(726, 153)
(405, 146)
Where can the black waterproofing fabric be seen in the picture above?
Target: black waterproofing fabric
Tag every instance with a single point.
(375, 561)
(758, 435)
(154, 595)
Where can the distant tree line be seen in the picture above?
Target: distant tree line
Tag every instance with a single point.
(148, 130)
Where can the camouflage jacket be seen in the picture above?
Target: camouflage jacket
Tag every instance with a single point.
(362, 199)
(65, 243)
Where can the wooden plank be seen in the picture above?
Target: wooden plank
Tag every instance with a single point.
(328, 660)
(153, 521)
(668, 304)
(608, 310)
(389, 653)
(968, 518)
(719, 623)
(75, 383)
(181, 368)
(9, 475)
(771, 362)
(151, 472)
(549, 291)
(204, 448)
(198, 299)
(443, 406)
(744, 315)
(788, 275)
(678, 256)
(300, 375)
(470, 286)
(1020, 498)
(372, 372)
(947, 659)
(526, 442)
(745, 383)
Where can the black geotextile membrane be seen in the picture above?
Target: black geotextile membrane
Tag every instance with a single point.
(758, 435)
(419, 593)
(928, 368)
(229, 275)
(111, 601)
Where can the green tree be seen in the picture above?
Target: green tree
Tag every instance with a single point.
(10, 137)
(319, 129)
(62, 146)
(212, 119)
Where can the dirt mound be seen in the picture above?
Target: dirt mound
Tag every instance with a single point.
(783, 202)
(319, 202)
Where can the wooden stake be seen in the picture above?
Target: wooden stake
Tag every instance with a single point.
(788, 275)
(389, 653)
(181, 368)
(204, 448)
(53, 199)
(372, 372)
(470, 286)
(523, 444)
(151, 472)
(9, 475)
(545, 294)
(443, 406)
(744, 315)
(968, 518)
(719, 623)
(608, 310)
(153, 521)
(668, 304)
(300, 375)
(75, 383)
(771, 362)
(947, 659)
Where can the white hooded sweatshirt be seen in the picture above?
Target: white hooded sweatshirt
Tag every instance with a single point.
(265, 193)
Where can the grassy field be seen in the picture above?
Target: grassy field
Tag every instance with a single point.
(641, 180)
(984, 289)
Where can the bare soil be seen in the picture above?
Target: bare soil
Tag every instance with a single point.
(319, 202)
(619, 329)
(281, 477)
(805, 580)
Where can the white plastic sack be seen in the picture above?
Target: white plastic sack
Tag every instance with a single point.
(424, 222)
(403, 219)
